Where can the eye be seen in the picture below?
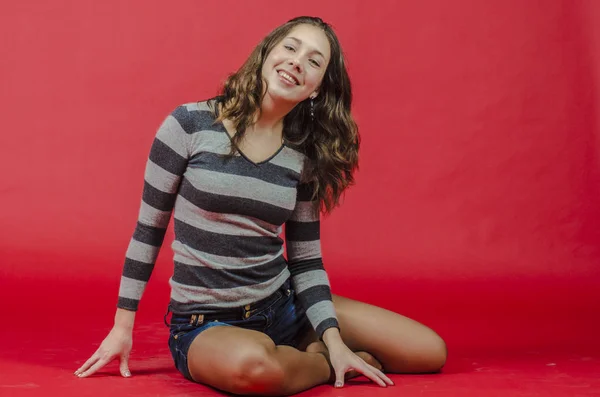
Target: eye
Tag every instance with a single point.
(317, 64)
(289, 48)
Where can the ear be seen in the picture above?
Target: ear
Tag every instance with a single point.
(314, 95)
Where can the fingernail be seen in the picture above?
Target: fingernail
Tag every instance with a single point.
(127, 374)
(339, 384)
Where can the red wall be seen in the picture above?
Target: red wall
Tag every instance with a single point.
(476, 207)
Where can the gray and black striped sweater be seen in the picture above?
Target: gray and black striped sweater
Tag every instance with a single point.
(228, 216)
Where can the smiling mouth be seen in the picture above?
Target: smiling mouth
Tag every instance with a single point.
(288, 77)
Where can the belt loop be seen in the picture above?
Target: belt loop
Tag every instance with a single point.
(197, 319)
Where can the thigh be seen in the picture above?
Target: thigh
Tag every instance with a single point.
(222, 357)
(400, 344)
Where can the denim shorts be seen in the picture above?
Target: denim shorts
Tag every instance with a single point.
(280, 316)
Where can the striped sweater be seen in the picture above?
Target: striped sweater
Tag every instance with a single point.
(228, 217)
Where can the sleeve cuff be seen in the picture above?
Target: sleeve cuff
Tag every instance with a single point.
(325, 325)
(128, 304)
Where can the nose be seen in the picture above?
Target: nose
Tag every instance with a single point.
(295, 63)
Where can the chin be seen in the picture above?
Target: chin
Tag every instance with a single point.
(283, 97)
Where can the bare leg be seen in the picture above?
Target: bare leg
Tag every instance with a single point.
(400, 344)
(247, 362)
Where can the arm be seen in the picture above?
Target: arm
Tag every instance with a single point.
(164, 169)
(310, 280)
(302, 234)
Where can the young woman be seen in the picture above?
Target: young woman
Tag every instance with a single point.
(275, 149)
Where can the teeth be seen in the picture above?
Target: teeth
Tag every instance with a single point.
(287, 77)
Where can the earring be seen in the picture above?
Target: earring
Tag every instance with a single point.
(312, 109)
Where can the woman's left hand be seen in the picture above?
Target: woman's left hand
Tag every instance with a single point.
(343, 360)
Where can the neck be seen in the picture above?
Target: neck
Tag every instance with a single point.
(272, 114)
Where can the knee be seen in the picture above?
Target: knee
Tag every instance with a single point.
(438, 354)
(257, 372)
(429, 356)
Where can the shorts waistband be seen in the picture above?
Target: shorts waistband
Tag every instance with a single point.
(229, 314)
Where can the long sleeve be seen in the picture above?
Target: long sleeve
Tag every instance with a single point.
(310, 280)
(165, 166)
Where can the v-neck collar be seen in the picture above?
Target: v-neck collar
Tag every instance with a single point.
(255, 163)
(248, 158)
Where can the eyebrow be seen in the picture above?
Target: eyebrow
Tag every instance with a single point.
(297, 40)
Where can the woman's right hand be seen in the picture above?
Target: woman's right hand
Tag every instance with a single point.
(117, 344)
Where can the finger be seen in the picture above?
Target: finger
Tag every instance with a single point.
(381, 375)
(88, 363)
(339, 376)
(99, 364)
(124, 366)
(364, 369)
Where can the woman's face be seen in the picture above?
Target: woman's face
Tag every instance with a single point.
(296, 65)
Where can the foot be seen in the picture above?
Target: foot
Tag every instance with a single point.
(319, 347)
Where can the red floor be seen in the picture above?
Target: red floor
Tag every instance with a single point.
(539, 340)
(46, 370)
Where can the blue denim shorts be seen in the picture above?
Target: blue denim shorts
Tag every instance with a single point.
(280, 316)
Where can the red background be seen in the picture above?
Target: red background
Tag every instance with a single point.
(476, 208)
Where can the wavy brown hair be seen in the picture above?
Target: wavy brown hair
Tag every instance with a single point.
(330, 140)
